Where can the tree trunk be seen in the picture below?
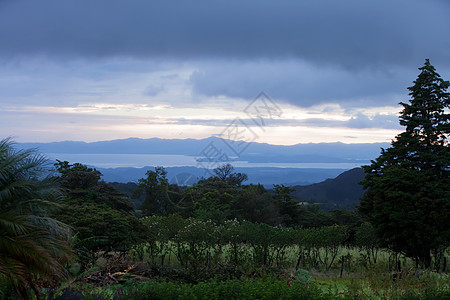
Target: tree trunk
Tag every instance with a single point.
(426, 259)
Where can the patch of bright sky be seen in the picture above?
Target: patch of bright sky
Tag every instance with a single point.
(104, 121)
(324, 112)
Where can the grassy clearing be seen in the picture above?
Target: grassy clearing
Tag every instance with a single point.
(371, 285)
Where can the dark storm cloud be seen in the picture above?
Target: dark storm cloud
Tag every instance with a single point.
(301, 83)
(351, 52)
(352, 33)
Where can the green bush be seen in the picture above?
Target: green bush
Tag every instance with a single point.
(303, 276)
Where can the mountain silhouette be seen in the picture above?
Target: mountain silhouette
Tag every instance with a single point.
(342, 192)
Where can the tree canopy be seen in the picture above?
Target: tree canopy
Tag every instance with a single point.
(226, 174)
(156, 189)
(408, 188)
(95, 209)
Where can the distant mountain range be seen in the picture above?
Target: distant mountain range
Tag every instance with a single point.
(254, 152)
(267, 164)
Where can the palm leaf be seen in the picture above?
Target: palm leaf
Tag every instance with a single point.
(31, 243)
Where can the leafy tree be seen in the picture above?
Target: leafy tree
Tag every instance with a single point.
(367, 240)
(226, 174)
(128, 189)
(255, 204)
(107, 228)
(287, 206)
(97, 211)
(311, 216)
(82, 182)
(351, 218)
(213, 206)
(112, 197)
(156, 189)
(408, 196)
(32, 245)
(214, 198)
(77, 176)
(283, 193)
(210, 199)
(220, 200)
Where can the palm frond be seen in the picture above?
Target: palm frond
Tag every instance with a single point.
(31, 243)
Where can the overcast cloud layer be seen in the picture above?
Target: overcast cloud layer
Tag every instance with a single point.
(351, 33)
(354, 56)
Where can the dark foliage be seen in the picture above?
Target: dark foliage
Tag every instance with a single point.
(408, 196)
(98, 212)
(80, 181)
(128, 189)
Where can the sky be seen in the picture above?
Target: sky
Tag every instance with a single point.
(110, 69)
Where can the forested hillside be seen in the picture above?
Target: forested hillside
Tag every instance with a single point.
(342, 192)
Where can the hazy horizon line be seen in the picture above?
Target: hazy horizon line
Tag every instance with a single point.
(196, 139)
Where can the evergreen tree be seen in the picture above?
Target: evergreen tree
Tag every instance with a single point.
(408, 198)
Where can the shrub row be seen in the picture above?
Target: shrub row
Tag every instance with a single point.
(201, 244)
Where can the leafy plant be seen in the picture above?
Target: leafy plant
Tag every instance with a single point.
(32, 245)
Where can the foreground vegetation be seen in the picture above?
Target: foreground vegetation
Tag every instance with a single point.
(194, 259)
(268, 288)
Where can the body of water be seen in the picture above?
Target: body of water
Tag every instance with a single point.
(143, 160)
